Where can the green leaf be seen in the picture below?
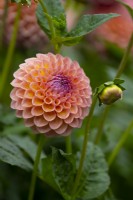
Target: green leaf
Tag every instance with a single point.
(11, 154)
(109, 195)
(22, 1)
(52, 11)
(47, 173)
(26, 144)
(95, 179)
(129, 8)
(86, 24)
(63, 171)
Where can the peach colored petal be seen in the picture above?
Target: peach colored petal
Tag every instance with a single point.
(29, 122)
(29, 94)
(39, 94)
(75, 123)
(20, 93)
(74, 109)
(59, 108)
(43, 129)
(37, 111)
(27, 113)
(69, 119)
(19, 113)
(24, 85)
(27, 103)
(37, 102)
(61, 129)
(13, 104)
(13, 94)
(40, 121)
(68, 131)
(48, 107)
(49, 116)
(63, 114)
(34, 86)
(56, 123)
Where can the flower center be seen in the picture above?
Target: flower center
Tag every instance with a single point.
(61, 83)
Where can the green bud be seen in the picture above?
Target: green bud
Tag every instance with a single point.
(110, 94)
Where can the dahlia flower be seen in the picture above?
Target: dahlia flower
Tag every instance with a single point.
(51, 93)
(29, 33)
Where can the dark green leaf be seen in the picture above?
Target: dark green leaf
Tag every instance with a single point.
(86, 24)
(52, 11)
(64, 171)
(95, 180)
(47, 173)
(108, 195)
(26, 144)
(129, 8)
(11, 154)
(118, 81)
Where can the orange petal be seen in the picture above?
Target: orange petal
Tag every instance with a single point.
(49, 116)
(37, 111)
(37, 102)
(48, 107)
(29, 94)
(63, 114)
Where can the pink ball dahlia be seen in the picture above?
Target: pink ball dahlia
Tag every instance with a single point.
(29, 32)
(117, 30)
(52, 94)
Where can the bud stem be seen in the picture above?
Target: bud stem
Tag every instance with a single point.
(118, 74)
(120, 143)
(35, 168)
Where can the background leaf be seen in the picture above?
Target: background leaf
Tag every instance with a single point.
(95, 179)
(11, 154)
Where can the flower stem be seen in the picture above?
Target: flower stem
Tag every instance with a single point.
(84, 147)
(3, 23)
(118, 74)
(101, 124)
(35, 168)
(68, 144)
(120, 143)
(125, 58)
(10, 52)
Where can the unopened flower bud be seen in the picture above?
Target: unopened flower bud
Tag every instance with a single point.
(110, 94)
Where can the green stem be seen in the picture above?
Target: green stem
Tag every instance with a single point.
(125, 58)
(118, 74)
(3, 23)
(85, 142)
(35, 168)
(120, 144)
(52, 28)
(6, 67)
(68, 144)
(101, 124)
